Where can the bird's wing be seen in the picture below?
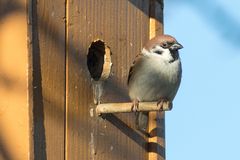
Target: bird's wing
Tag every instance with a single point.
(131, 70)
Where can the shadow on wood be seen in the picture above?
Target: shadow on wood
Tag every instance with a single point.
(39, 138)
(136, 137)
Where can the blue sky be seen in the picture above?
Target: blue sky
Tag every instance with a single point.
(204, 122)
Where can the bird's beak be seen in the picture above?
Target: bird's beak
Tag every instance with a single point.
(176, 46)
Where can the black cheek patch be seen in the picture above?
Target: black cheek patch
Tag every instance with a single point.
(158, 52)
(175, 55)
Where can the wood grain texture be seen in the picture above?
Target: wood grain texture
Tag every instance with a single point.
(63, 93)
(122, 25)
(47, 27)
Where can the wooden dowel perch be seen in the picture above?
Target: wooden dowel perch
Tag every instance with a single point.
(127, 107)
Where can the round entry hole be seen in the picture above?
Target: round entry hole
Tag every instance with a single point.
(99, 60)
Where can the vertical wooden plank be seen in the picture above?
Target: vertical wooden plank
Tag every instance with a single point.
(156, 126)
(47, 26)
(30, 16)
(121, 25)
(78, 86)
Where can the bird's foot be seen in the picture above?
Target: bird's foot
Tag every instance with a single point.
(135, 105)
(164, 104)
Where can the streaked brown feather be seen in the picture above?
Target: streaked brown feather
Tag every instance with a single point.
(137, 58)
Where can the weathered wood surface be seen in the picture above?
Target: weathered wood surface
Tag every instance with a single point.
(64, 126)
(47, 39)
(123, 26)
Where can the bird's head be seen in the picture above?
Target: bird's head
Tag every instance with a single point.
(163, 46)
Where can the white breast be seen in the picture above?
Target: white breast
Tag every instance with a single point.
(155, 78)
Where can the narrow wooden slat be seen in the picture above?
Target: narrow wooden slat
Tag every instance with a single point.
(78, 130)
(48, 82)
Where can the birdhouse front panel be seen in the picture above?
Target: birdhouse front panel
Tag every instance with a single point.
(124, 27)
(83, 50)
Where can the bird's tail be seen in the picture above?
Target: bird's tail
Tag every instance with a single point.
(142, 121)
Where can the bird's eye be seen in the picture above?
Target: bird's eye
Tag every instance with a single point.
(165, 45)
(158, 52)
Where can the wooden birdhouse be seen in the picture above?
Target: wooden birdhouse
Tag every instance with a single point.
(79, 55)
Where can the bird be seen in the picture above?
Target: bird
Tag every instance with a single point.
(155, 75)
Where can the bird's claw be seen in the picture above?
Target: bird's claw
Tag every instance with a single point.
(161, 104)
(135, 105)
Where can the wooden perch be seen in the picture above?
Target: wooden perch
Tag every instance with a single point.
(127, 107)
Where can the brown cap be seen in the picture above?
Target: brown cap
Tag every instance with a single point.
(159, 40)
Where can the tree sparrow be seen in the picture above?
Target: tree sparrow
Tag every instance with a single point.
(155, 75)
